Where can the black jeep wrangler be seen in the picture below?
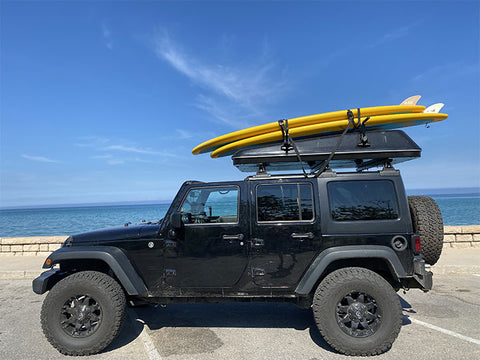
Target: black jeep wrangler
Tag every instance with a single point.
(340, 243)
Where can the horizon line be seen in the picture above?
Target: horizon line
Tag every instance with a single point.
(431, 191)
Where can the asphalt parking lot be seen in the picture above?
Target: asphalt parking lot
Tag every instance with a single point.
(442, 324)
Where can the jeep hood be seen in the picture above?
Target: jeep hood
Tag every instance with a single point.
(118, 233)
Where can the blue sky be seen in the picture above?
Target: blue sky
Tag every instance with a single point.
(103, 102)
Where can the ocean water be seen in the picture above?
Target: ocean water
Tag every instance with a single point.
(459, 209)
(456, 210)
(71, 220)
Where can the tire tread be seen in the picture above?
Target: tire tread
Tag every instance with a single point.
(347, 275)
(428, 223)
(103, 281)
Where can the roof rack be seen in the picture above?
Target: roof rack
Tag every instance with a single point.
(385, 148)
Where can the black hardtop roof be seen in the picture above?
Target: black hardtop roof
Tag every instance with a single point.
(327, 174)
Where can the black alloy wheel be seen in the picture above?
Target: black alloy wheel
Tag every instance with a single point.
(81, 316)
(358, 314)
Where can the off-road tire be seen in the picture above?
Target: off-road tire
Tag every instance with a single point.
(428, 223)
(341, 284)
(108, 301)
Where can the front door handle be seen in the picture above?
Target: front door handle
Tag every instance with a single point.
(170, 243)
(238, 237)
(302, 236)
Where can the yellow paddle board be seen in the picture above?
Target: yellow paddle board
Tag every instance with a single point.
(384, 122)
(223, 140)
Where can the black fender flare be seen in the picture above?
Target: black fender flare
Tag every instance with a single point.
(112, 256)
(332, 254)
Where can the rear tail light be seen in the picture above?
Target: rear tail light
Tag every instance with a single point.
(416, 239)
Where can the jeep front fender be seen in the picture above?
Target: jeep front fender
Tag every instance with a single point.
(114, 257)
(332, 254)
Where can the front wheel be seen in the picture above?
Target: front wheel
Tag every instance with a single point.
(83, 313)
(357, 312)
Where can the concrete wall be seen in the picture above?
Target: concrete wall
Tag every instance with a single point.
(455, 237)
(31, 246)
(462, 236)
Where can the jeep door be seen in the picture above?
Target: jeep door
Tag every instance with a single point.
(285, 231)
(209, 250)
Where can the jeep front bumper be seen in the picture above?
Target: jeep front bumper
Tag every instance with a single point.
(45, 281)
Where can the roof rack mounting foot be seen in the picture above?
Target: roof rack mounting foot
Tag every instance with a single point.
(388, 167)
(262, 171)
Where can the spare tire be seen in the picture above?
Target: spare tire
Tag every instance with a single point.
(428, 223)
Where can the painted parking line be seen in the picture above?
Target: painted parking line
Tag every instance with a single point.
(445, 331)
(147, 341)
(476, 275)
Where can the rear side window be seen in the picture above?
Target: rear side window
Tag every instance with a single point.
(286, 202)
(362, 200)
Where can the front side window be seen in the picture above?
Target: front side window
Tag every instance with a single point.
(286, 202)
(362, 200)
(211, 205)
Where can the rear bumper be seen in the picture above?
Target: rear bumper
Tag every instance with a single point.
(421, 275)
(45, 281)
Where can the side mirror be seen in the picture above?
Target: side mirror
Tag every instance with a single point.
(176, 220)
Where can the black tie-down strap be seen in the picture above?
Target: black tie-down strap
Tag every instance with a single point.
(363, 133)
(288, 143)
(351, 123)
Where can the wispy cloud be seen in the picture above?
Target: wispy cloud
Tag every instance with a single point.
(120, 151)
(92, 141)
(184, 134)
(105, 144)
(220, 111)
(448, 71)
(224, 87)
(131, 149)
(395, 34)
(39, 158)
(144, 161)
(107, 35)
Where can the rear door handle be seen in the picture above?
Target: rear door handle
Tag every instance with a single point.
(238, 237)
(257, 243)
(302, 236)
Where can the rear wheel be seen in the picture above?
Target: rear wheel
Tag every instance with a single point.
(83, 313)
(357, 312)
(428, 223)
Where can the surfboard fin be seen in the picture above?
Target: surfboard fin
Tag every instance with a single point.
(412, 100)
(435, 108)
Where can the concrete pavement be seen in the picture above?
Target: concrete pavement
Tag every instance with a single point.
(440, 325)
(437, 325)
